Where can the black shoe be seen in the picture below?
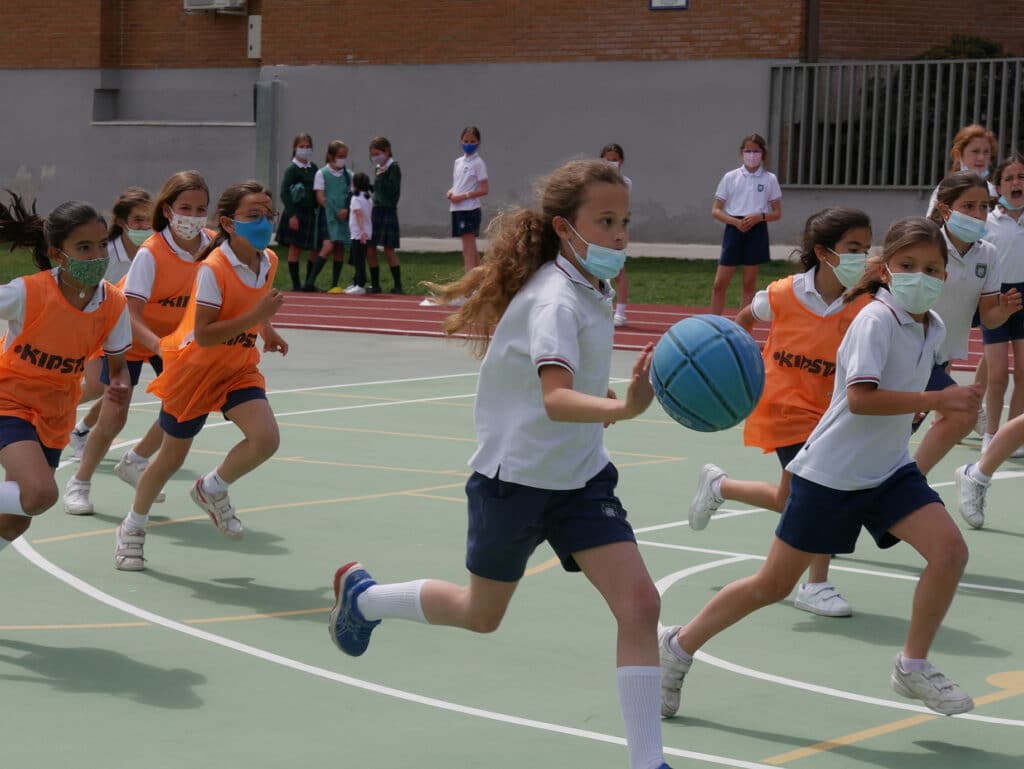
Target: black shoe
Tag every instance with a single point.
(373, 289)
(397, 290)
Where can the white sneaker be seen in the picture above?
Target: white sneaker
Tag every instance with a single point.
(130, 472)
(428, 302)
(673, 671)
(128, 550)
(354, 289)
(822, 599)
(970, 494)
(220, 510)
(619, 319)
(77, 443)
(705, 502)
(932, 688)
(982, 422)
(76, 498)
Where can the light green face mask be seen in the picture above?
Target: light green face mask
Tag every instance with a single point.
(88, 272)
(138, 237)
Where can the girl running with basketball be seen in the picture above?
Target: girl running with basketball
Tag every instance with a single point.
(56, 319)
(158, 287)
(210, 363)
(809, 316)
(541, 471)
(883, 364)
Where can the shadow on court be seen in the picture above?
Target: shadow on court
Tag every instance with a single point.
(198, 534)
(86, 670)
(256, 597)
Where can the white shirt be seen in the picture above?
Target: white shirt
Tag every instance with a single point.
(364, 206)
(884, 345)
(968, 278)
(142, 272)
(12, 309)
(806, 294)
(208, 291)
(119, 262)
(469, 172)
(318, 178)
(745, 193)
(1007, 235)
(557, 318)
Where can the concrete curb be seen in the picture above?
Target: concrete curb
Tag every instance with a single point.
(658, 250)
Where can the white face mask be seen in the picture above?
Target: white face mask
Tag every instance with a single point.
(752, 159)
(304, 153)
(187, 227)
(850, 269)
(339, 164)
(378, 160)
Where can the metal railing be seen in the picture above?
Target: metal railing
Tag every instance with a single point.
(887, 124)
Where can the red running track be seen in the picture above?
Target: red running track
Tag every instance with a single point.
(403, 315)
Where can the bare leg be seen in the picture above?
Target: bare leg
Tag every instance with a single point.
(150, 442)
(391, 256)
(1017, 397)
(165, 464)
(93, 414)
(931, 532)
(1005, 442)
(470, 253)
(256, 421)
(92, 387)
(112, 419)
(479, 606)
(996, 359)
(749, 286)
(723, 277)
(947, 430)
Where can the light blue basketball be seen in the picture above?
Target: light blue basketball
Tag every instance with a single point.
(707, 373)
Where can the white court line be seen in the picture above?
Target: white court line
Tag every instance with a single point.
(26, 550)
(665, 583)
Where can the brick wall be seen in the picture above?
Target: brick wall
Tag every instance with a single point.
(897, 29)
(50, 33)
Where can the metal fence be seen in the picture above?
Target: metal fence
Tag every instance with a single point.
(887, 124)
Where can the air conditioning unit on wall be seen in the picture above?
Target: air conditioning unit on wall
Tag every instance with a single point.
(224, 6)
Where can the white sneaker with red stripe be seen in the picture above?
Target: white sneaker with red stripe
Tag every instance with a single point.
(220, 510)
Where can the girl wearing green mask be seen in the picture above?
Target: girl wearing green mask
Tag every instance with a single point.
(56, 319)
(808, 316)
(133, 215)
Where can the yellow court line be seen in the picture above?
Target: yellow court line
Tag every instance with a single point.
(263, 508)
(548, 564)
(1010, 684)
(436, 496)
(304, 460)
(647, 456)
(364, 431)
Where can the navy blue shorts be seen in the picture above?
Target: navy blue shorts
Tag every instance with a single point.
(787, 454)
(1014, 326)
(190, 428)
(938, 380)
(508, 520)
(818, 519)
(16, 429)
(466, 222)
(745, 248)
(134, 369)
(385, 227)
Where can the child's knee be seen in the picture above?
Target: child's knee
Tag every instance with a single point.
(39, 497)
(769, 589)
(643, 607)
(13, 526)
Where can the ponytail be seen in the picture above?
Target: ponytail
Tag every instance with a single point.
(23, 228)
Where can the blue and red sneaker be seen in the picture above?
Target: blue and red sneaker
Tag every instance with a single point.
(349, 629)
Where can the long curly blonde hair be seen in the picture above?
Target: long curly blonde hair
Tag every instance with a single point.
(522, 239)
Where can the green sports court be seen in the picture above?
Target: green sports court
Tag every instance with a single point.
(218, 654)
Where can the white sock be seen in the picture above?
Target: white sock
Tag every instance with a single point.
(640, 701)
(908, 665)
(214, 484)
(136, 521)
(975, 472)
(136, 459)
(76, 481)
(679, 651)
(716, 486)
(82, 427)
(397, 601)
(10, 498)
(620, 308)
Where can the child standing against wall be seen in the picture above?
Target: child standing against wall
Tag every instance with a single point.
(747, 199)
(469, 184)
(360, 226)
(387, 188)
(333, 187)
(302, 220)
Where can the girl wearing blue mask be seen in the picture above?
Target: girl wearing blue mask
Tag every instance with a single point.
(972, 288)
(211, 363)
(539, 311)
(808, 316)
(1006, 227)
(469, 185)
(883, 364)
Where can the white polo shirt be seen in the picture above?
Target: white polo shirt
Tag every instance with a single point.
(557, 318)
(886, 346)
(806, 294)
(208, 290)
(467, 175)
(119, 262)
(142, 272)
(968, 278)
(748, 193)
(1007, 235)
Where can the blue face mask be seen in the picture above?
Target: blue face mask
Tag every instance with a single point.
(1008, 205)
(257, 233)
(601, 262)
(982, 174)
(469, 149)
(966, 228)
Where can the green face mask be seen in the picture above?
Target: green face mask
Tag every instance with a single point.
(138, 237)
(88, 272)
